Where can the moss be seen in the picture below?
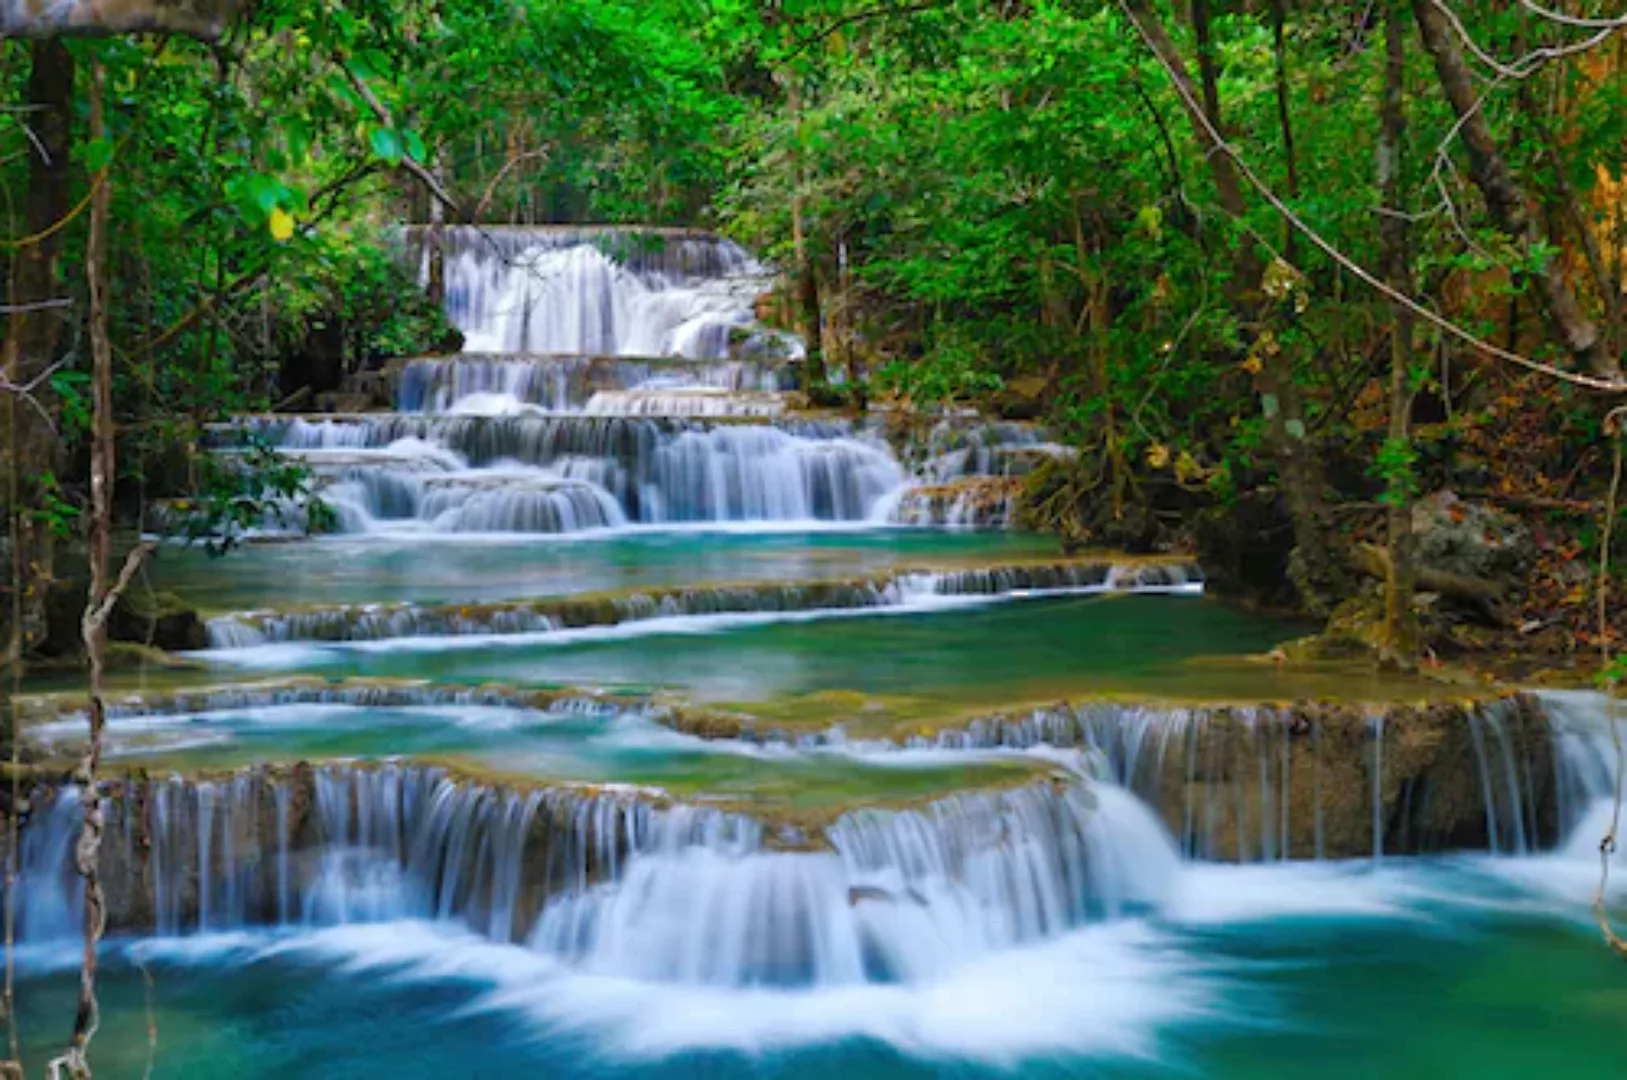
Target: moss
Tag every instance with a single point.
(130, 656)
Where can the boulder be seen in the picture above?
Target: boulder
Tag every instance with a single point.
(160, 619)
(1470, 539)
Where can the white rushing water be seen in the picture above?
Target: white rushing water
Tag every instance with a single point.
(990, 926)
(615, 379)
(602, 292)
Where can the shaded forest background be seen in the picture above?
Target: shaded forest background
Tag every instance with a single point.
(1294, 278)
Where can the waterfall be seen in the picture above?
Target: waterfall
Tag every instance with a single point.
(560, 473)
(1248, 784)
(603, 292)
(346, 844)
(50, 896)
(571, 383)
(980, 502)
(605, 880)
(904, 896)
(375, 622)
(1585, 766)
(955, 451)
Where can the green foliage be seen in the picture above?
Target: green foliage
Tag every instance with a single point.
(952, 371)
(987, 196)
(252, 487)
(1394, 467)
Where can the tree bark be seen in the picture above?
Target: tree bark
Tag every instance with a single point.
(807, 282)
(435, 239)
(1279, 18)
(1507, 204)
(99, 601)
(36, 321)
(1400, 625)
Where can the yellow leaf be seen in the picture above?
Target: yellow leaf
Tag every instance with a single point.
(1158, 455)
(1252, 365)
(282, 224)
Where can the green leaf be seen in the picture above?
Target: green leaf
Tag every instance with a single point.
(415, 146)
(387, 145)
(98, 153)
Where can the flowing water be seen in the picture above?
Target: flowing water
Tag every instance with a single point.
(641, 724)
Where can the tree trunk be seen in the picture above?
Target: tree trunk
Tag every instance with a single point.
(435, 239)
(1279, 17)
(1505, 201)
(1280, 401)
(1400, 625)
(87, 851)
(809, 323)
(36, 322)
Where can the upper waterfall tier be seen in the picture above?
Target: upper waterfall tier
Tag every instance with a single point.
(475, 382)
(565, 473)
(601, 291)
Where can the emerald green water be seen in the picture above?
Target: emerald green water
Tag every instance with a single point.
(1448, 966)
(448, 570)
(968, 656)
(1456, 972)
(613, 747)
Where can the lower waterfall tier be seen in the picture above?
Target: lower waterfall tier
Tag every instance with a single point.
(613, 882)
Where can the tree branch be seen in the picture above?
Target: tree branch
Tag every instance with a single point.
(1220, 145)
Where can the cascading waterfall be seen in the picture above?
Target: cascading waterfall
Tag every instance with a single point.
(602, 292)
(618, 377)
(346, 844)
(569, 383)
(559, 473)
(607, 881)
(375, 622)
(904, 896)
(1254, 784)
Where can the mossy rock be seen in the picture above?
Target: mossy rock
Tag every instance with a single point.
(160, 619)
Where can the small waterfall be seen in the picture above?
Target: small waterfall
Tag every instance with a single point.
(981, 503)
(346, 844)
(1249, 784)
(528, 504)
(375, 622)
(1584, 766)
(50, 893)
(685, 402)
(906, 894)
(954, 451)
(570, 383)
(604, 292)
(650, 471)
